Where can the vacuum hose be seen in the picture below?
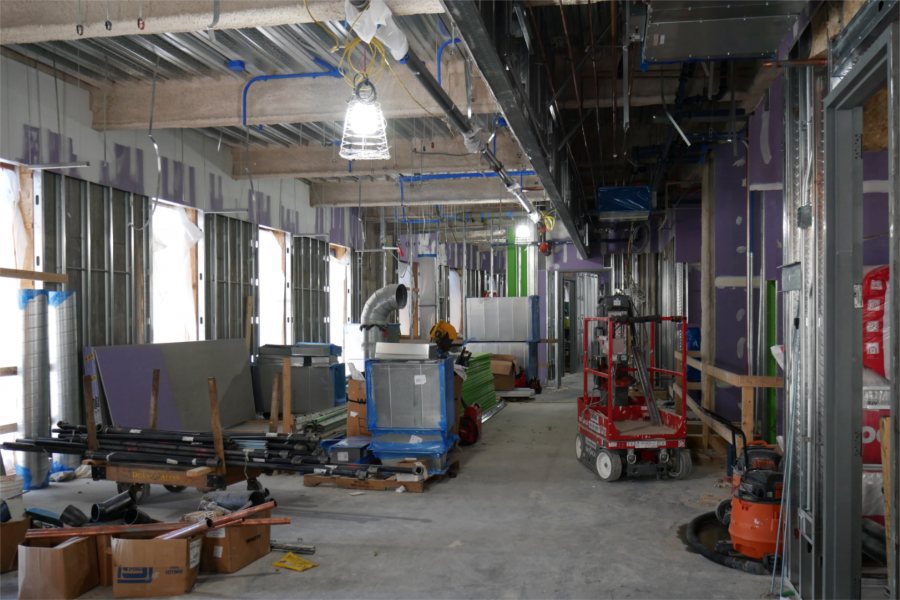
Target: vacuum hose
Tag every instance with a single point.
(748, 565)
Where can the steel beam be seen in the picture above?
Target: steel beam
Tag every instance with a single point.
(466, 17)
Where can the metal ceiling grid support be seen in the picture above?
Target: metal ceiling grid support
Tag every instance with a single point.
(518, 110)
(842, 513)
(88, 234)
(310, 290)
(231, 249)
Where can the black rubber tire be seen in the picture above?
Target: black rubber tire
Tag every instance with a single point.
(139, 492)
(175, 489)
(608, 465)
(680, 465)
(579, 446)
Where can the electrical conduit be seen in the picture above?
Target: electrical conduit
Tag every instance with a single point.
(328, 71)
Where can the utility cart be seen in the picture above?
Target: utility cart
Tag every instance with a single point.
(623, 426)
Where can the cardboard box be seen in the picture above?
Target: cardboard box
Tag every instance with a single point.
(12, 533)
(104, 553)
(58, 570)
(143, 568)
(357, 424)
(230, 549)
(504, 369)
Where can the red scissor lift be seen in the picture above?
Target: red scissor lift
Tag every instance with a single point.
(621, 432)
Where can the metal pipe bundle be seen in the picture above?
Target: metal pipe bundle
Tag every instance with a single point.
(35, 468)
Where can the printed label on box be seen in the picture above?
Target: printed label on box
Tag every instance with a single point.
(343, 456)
(134, 575)
(419, 380)
(194, 555)
(414, 439)
(216, 533)
(217, 552)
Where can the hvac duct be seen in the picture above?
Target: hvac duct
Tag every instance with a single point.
(68, 406)
(377, 310)
(34, 468)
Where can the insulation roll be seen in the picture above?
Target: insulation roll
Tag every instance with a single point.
(34, 468)
(68, 402)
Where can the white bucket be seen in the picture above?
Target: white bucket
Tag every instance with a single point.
(11, 492)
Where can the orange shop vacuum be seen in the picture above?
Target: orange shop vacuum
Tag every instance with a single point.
(750, 515)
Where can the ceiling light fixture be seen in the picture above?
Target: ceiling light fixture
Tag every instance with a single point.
(365, 130)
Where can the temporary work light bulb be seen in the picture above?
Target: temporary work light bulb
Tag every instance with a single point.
(363, 118)
(523, 231)
(365, 130)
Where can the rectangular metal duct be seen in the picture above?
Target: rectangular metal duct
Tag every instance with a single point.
(680, 30)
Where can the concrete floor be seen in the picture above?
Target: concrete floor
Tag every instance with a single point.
(522, 519)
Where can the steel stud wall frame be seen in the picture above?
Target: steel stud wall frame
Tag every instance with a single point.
(310, 290)
(877, 66)
(231, 249)
(823, 232)
(93, 234)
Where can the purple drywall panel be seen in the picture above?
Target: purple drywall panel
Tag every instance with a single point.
(688, 234)
(774, 232)
(876, 240)
(766, 154)
(126, 373)
(730, 211)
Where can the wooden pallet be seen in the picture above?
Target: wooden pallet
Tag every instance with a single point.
(379, 485)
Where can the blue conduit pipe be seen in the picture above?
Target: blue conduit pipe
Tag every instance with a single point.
(328, 71)
(440, 53)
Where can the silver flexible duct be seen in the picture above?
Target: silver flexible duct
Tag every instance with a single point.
(377, 311)
(69, 403)
(35, 385)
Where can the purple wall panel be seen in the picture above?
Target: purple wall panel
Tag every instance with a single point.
(731, 201)
(124, 370)
(688, 234)
(875, 211)
(774, 232)
(767, 137)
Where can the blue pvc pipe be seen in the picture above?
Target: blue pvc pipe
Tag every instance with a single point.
(440, 53)
(329, 71)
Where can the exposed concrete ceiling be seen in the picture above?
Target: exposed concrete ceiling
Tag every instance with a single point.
(387, 193)
(212, 102)
(447, 155)
(29, 21)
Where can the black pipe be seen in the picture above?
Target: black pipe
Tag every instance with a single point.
(111, 508)
(72, 516)
(139, 457)
(740, 563)
(135, 516)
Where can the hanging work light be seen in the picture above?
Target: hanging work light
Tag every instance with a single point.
(365, 130)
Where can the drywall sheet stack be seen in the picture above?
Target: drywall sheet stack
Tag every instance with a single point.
(478, 388)
(126, 374)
